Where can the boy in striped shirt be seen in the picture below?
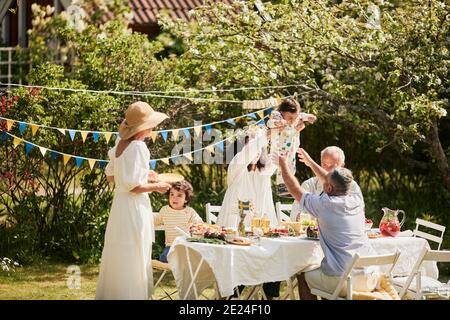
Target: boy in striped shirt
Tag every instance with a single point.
(176, 214)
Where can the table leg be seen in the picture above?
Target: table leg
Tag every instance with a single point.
(193, 275)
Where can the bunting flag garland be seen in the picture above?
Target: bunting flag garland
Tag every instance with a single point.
(96, 134)
(102, 163)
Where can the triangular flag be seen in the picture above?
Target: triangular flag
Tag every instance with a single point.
(260, 114)
(62, 131)
(175, 134)
(22, 127)
(261, 122)
(53, 155)
(84, 135)
(16, 141)
(72, 134)
(269, 111)
(186, 133)
(208, 128)
(188, 156)
(79, 161)
(210, 149)
(34, 129)
(252, 115)
(95, 135)
(103, 163)
(66, 158)
(43, 150)
(153, 136)
(153, 164)
(198, 130)
(164, 135)
(92, 163)
(166, 161)
(28, 147)
(9, 124)
(107, 136)
(231, 121)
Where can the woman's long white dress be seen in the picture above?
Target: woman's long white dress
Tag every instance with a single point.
(125, 270)
(247, 185)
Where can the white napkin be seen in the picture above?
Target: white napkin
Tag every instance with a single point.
(406, 233)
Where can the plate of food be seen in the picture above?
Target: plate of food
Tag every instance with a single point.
(239, 242)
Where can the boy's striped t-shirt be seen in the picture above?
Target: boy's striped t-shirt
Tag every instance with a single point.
(172, 218)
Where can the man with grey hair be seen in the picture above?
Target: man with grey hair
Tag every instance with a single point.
(330, 158)
(340, 215)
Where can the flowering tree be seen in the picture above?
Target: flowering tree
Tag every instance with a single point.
(378, 70)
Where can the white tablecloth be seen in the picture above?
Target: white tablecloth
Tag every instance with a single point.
(231, 265)
(272, 260)
(410, 249)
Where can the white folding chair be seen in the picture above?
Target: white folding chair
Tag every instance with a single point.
(424, 287)
(210, 210)
(431, 225)
(291, 283)
(280, 208)
(164, 267)
(357, 262)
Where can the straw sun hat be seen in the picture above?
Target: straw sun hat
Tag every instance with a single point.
(138, 117)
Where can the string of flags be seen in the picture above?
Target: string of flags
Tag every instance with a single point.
(107, 135)
(29, 146)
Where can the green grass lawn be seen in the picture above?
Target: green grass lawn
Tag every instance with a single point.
(49, 282)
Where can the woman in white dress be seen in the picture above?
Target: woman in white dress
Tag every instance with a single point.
(125, 270)
(249, 179)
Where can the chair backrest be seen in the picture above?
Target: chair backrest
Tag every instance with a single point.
(210, 210)
(425, 255)
(431, 225)
(280, 207)
(365, 261)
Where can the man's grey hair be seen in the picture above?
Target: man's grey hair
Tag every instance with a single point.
(341, 179)
(333, 150)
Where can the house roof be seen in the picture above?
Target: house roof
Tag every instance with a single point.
(145, 11)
